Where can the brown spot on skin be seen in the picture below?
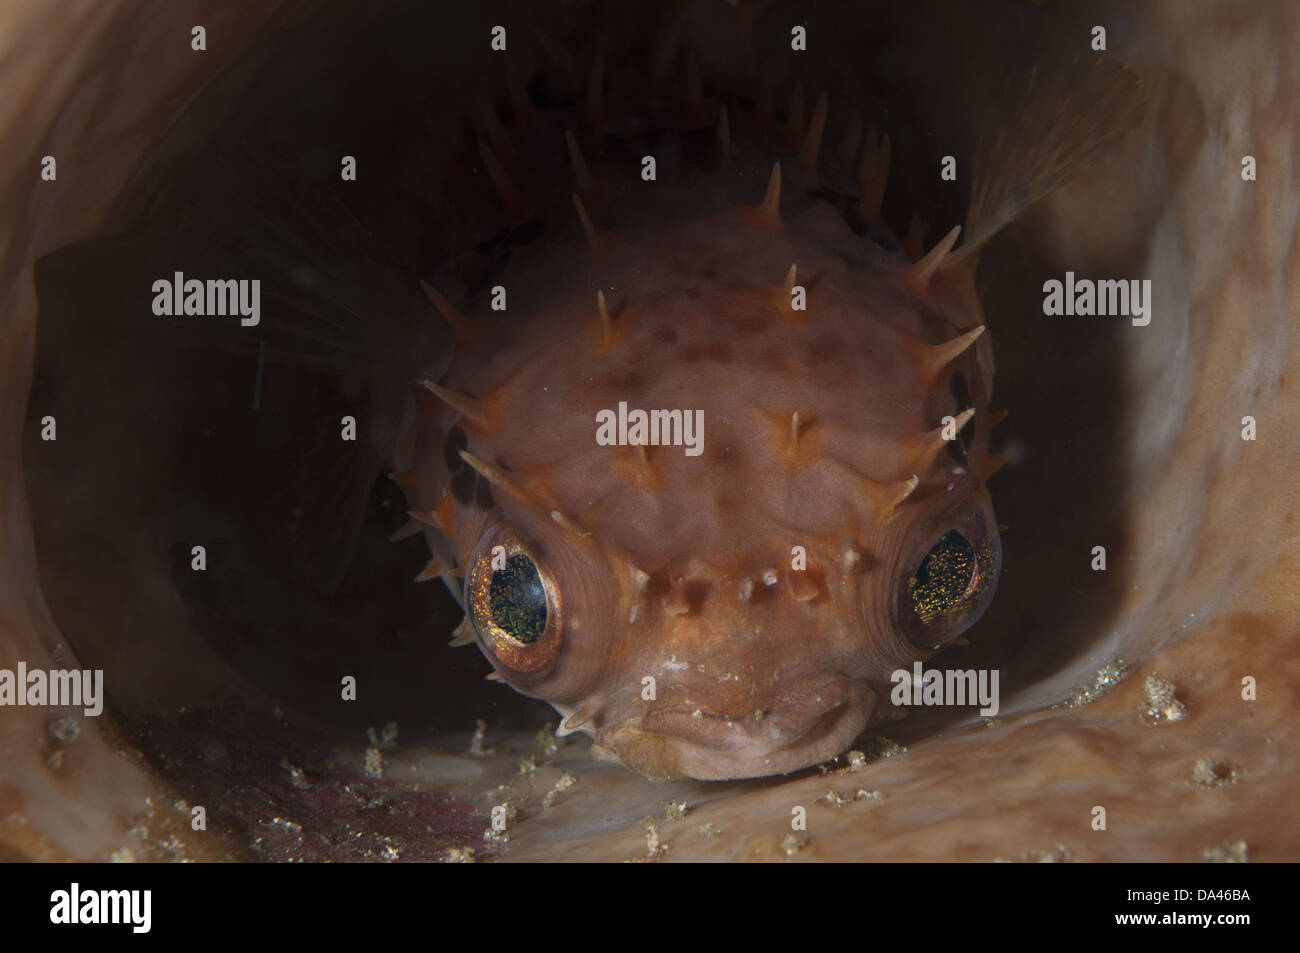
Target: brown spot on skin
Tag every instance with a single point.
(773, 357)
(749, 324)
(629, 383)
(825, 349)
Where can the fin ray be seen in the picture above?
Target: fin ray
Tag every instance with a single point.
(1053, 125)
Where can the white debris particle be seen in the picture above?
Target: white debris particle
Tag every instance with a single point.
(494, 836)
(1231, 852)
(653, 846)
(882, 748)
(1159, 707)
(1060, 855)
(1213, 773)
(123, 856)
(1103, 680)
(836, 799)
(459, 855)
(792, 844)
(476, 742)
(374, 763)
(296, 776)
(385, 738)
(63, 729)
(675, 810)
(546, 742)
(565, 782)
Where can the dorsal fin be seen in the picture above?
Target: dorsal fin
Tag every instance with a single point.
(1045, 127)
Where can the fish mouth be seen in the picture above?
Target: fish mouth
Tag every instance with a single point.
(812, 723)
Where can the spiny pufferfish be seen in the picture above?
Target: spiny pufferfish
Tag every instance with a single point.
(718, 581)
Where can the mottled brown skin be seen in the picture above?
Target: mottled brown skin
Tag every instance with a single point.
(679, 567)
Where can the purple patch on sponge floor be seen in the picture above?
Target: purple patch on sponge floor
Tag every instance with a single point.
(286, 794)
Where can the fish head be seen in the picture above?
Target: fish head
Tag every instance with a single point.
(709, 537)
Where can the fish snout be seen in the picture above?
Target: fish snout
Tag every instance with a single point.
(806, 723)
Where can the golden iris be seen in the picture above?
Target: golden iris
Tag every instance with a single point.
(943, 576)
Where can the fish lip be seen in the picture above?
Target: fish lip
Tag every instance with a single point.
(805, 707)
(811, 725)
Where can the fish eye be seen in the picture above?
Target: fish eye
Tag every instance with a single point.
(943, 576)
(951, 584)
(514, 604)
